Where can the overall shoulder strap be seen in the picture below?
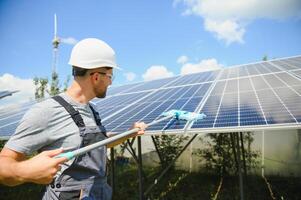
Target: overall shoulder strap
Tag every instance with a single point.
(96, 116)
(69, 108)
(98, 121)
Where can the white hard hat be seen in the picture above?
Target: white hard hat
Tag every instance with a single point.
(92, 53)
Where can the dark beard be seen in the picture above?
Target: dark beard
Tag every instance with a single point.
(102, 95)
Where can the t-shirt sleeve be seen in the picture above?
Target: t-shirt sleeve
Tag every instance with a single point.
(30, 134)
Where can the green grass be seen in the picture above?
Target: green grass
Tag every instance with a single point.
(25, 191)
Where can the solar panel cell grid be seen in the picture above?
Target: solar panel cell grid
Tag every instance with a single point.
(232, 86)
(273, 81)
(14, 118)
(261, 69)
(243, 71)
(245, 84)
(219, 88)
(224, 74)
(210, 109)
(275, 112)
(252, 70)
(297, 89)
(293, 62)
(228, 112)
(123, 88)
(8, 129)
(119, 100)
(188, 79)
(291, 100)
(270, 67)
(284, 65)
(250, 111)
(151, 85)
(297, 73)
(194, 78)
(233, 72)
(259, 83)
(11, 110)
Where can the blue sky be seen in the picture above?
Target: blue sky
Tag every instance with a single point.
(152, 39)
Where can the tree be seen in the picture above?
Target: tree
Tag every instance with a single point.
(41, 87)
(55, 87)
(265, 58)
(169, 147)
(218, 153)
(66, 83)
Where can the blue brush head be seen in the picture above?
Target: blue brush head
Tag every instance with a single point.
(184, 115)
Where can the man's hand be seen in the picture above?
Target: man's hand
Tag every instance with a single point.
(40, 169)
(142, 126)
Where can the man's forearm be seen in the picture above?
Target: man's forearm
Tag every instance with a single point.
(9, 172)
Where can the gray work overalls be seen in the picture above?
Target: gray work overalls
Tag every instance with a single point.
(85, 178)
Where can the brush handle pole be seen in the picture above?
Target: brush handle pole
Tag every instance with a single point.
(109, 140)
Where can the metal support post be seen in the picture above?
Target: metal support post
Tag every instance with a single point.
(157, 149)
(112, 156)
(232, 136)
(243, 153)
(140, 173)
(241, 187)
(262, 155)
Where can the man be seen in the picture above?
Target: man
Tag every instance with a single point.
(66, 121)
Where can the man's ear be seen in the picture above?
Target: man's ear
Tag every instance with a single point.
(96, 77)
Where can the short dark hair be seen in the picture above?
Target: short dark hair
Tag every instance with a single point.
(77, 71)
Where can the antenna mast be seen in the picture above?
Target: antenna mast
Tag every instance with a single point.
(55, 43)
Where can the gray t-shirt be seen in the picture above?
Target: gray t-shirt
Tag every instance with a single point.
(47, 125)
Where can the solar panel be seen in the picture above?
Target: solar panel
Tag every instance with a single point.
(6, 93)
(297, 88)
(149, 85)
(294, 61)
(240, 98)
(274, 109)
(252, 70)
(284, 65)
(296, 73)
(233, 72)
(194, 78)
(115, 90)
(270, 67)
(10, 117)
(288, 64)
(250, 111)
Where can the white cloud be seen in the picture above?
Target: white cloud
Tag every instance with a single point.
(204, 65)
(228, 18)
(227, 30)
(25, 87)
(69, 40)
(130, 76)
(182, 59)
(156, 72)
